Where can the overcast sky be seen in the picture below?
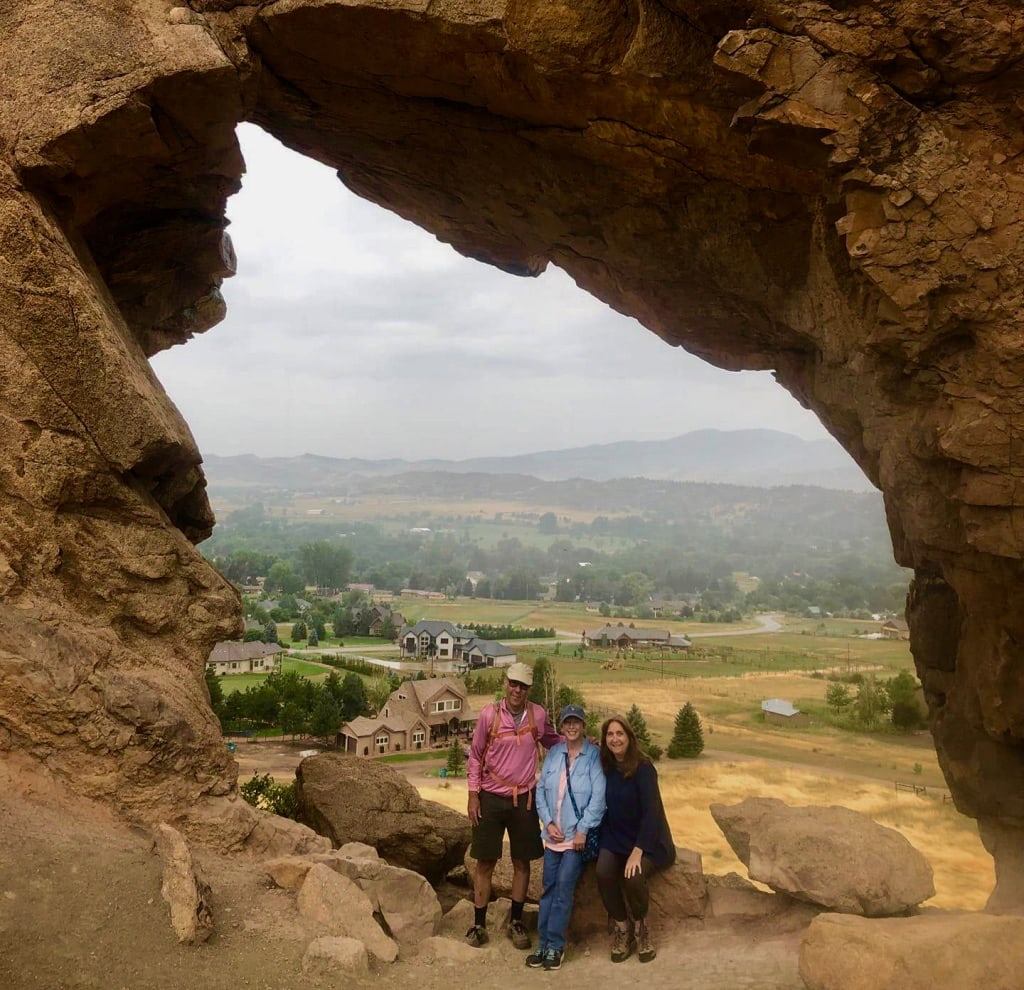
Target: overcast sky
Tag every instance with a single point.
(352, 333)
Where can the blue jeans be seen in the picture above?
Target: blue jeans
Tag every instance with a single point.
(561, 871)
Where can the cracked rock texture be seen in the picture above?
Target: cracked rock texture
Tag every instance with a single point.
(830, 190)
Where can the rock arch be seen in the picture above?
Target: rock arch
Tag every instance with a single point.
(832, 191)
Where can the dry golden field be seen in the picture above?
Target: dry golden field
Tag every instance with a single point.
(819, 766)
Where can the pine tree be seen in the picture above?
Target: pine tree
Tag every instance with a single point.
(688, 737)
(456, 760)
(637, 723)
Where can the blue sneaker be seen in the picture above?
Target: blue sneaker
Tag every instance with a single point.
(553, 959)
(535, 960)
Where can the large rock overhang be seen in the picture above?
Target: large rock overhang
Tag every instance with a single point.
(832, 192)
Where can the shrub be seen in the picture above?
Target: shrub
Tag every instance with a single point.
(262, 791)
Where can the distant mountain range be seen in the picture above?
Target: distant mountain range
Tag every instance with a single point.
(759, 458)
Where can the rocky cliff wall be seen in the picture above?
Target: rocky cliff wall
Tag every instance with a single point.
(829, 190)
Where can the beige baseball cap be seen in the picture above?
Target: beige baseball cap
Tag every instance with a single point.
(520, 672)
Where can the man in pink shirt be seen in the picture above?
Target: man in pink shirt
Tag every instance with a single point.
(502, 775)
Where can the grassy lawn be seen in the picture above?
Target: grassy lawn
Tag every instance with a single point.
(240, 682)
(436, 754)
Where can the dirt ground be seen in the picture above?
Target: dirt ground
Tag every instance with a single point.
(80, 907)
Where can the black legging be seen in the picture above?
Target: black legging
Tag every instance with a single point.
(617, 891)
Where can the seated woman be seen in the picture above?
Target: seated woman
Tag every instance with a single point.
(570, 802)
(635, 839)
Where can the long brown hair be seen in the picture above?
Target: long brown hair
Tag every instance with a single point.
(634, 755)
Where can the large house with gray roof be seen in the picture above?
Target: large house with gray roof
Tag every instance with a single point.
(434, 639)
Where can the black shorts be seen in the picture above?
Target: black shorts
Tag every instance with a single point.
(498, 815)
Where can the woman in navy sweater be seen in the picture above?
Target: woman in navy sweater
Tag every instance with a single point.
(635, 839)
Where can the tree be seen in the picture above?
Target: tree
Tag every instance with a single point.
(456, 759)
(326, 717)
(353, 697)
(314, 639)
(324, 564)
(544, 686)
(605, 609)
(270, 632)
(292, 719)
(282, 578)
(299, 631)
(639, 726)
(547, 524)
(871, 703)
(838, 698)
(902, 690)
(688, 736)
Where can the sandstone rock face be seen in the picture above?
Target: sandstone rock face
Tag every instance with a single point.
(354, 800)
(832, 191)
(840, 952)
(834, 857)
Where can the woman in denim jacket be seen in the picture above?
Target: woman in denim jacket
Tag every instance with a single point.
(572, 773)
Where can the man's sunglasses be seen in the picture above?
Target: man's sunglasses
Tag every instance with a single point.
(519, 685)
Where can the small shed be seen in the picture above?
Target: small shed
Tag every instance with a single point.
(778, 710)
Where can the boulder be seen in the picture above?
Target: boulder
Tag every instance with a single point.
(341, 906)
(676, 893)
(841, 952)
(351, 799)
(183, 887)
(830, 856)
(446, 950)
(335, 954)
(404, 899)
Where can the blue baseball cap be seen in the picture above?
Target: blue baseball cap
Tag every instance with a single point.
(572, 711)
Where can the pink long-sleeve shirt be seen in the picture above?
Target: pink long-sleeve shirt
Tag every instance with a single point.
(510, 756)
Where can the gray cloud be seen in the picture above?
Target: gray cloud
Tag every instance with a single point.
(350, 332)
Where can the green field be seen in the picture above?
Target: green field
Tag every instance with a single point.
(240, 682)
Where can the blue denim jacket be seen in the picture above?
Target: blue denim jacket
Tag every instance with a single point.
(588, 784)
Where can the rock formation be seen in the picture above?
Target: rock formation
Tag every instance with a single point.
(832, 857)
(829, 190)
(352, 800)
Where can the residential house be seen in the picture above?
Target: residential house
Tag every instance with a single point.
(366, 589)
(479, 653)
(435, 639)
(378, 736)
(895, 629)
(417, 714)
(380, 614)
(783, 712)
(630, 638)
(233, 657)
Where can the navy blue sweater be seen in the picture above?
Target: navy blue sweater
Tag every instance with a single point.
(636, 816)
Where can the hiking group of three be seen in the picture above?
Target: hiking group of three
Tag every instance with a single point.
(611, 787)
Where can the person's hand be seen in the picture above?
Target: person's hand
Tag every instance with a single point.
(633, 863)
(555, 833)
(579, 840)
(473, 807)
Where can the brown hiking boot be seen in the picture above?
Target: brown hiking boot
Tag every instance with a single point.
(518, 935)
(623, 944)
(644, 943)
